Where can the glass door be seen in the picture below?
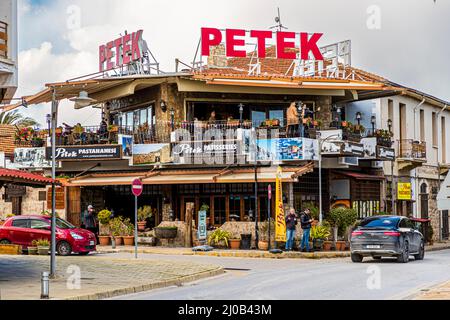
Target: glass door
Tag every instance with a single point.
(220, 211)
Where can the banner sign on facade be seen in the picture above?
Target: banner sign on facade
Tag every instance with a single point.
(384, 153)
(127, 145)
(280, 222)
(370, 148)
(289, 149)
(74, 153)
(404, 191)
(150, 154)
(202, 228)
(30, 158)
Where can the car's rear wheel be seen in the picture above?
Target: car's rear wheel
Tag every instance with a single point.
(5, 241)
(357, 258)
(64, 248)
(421, 253)
(404, 256)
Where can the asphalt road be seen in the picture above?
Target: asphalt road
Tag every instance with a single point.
(266, 279)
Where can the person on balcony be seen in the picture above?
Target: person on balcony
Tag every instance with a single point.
(212, 119)
(293, 120)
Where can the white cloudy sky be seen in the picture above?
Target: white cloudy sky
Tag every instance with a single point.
(411, 47)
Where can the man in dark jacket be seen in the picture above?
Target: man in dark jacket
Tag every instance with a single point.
(89, 221)
(291, 223)
(306, 222)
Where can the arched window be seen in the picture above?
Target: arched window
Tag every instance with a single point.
(424, 201)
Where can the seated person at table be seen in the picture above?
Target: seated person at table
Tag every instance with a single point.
(103, 127)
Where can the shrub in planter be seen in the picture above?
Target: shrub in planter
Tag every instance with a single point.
(33, 249)
(166, 232)
(43, 247)
(104, 216)
(116, 226)
(144, 213)
(128, 235)
(104, 239)
(263, 243)
(219, 238)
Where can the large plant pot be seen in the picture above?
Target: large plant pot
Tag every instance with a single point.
(166, 233)
(235, 244)
(246, 241)
(32, 251)
(104, 240)
(142, 225)
(327, 245)
(128, 240)
(340, 245)
(263, 245)
(318, 244)
(119, 241)
(43, 251)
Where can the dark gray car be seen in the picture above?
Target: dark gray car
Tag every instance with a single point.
(387, 236)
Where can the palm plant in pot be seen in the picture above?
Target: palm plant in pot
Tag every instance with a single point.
(318, 235)
(144, 213)
(263, 243)
(219, 238)
(43, 247)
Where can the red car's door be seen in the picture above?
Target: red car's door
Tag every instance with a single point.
(39, 229)
(19, 231)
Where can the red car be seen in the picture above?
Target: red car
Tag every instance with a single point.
(22, 230)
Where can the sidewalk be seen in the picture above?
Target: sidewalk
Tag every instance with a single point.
(440, 292)
(99, 277)
(246, 253)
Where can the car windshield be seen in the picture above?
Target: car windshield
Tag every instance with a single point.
(380, 223)
(61, 224)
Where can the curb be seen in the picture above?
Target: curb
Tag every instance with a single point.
(447, 247)
(147, 287)
(237, 254)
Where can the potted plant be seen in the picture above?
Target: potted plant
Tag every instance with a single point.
(318, 236)
(263, 243)
(144, 213)
(43, 247)
(128, 233)
(340, 219)
(37, 142)
(116, 226)
(235, 243)
(170, 232)
(219, 238)
(104, 238)
(33, 249)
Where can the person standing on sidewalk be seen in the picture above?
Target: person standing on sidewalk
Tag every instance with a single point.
(291, 223)
(306, 222)
(89, 221)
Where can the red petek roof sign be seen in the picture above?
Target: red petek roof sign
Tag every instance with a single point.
(121, 51)
(235, 40)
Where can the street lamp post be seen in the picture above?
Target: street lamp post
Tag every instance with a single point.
(392, 173)
(373, 121)
(53, 120)
(321, 142)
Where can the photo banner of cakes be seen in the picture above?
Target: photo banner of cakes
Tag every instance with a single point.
(150, 154)
(289, 149)
(127, 145)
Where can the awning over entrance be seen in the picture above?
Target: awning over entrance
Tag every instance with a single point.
(443, 197)
(360, 176)
(23, 178)
(189, 176)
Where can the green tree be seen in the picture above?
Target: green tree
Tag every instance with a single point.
(17, 119)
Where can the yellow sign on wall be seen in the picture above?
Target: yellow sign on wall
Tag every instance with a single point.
(404, 191)
(280, 222)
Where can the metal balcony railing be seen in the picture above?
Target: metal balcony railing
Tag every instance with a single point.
(410, 149)
(3, 40)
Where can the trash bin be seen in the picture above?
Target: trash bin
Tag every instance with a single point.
(246, 241)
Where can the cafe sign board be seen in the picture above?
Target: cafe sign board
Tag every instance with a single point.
(236, 39)
(75, 153)
(384, 153)
(404, 191)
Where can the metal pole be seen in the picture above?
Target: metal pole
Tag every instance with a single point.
(392, 189)
(256, 204)
(53, 226)
(135, 227)
(320, 182)
(270, 218)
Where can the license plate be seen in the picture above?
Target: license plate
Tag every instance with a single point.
(91, 243)
(373, 247)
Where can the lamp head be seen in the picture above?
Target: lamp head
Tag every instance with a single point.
(83, 100)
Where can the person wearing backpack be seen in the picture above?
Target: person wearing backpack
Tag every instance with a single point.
(291, 223)
(306, 223)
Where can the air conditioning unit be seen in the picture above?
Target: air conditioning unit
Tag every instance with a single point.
(349, 161)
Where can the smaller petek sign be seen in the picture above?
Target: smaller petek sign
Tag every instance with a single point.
(137, 187)
(202, 231)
